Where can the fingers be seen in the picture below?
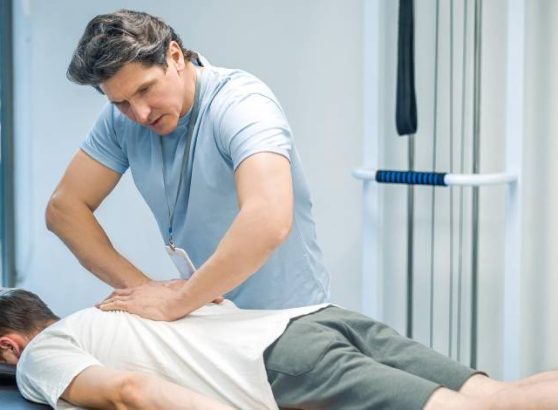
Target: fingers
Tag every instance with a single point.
(119, 292)
(115, 303)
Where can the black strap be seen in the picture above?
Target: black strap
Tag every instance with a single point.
(406, 104)
(189, 135)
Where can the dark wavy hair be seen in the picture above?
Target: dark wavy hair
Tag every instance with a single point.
(112, 40)
(23, 312)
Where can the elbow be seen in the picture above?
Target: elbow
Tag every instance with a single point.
(131, 387)
(269, 223)
(54, 212)
(279, 229)
(282, 230)
(61, 208)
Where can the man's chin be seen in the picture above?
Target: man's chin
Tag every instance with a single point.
(165, 128)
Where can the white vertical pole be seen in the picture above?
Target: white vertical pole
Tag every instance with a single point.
(372, 265)
(514, 134)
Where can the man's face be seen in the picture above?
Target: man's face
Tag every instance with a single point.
(154, 97)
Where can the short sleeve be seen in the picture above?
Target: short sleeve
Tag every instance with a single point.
(48, 366)
(102, 143)
(252, 124)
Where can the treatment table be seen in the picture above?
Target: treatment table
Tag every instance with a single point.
(10, 399)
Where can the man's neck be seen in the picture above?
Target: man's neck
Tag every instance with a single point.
(189, 86)
(40, 329)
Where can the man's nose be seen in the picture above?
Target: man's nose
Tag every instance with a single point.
(141, 112)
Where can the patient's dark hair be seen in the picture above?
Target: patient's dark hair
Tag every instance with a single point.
(23, 312)
(112, 40)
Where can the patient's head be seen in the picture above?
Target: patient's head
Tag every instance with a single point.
(22, 315)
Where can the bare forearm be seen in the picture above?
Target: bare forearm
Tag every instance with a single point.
(102, 387)
(248, 243)
(156, 393)
(265, 198)
(78, 228)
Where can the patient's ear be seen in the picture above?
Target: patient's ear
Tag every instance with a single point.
(11, 346)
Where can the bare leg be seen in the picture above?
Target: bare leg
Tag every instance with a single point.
(535, 396)
(538, 392)
(551, 375)
(443, 399)
(480, 386)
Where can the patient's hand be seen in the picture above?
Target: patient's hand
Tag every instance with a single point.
(152, 300)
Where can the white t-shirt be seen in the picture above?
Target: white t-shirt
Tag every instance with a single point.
(217, 351)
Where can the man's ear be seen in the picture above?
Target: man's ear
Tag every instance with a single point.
(12, 342)
(176, 56)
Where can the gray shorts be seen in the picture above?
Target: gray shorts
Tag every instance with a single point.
(338, 359)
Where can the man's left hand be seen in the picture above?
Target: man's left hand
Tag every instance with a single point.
(155, 300)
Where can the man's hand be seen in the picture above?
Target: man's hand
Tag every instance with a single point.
(153, 300)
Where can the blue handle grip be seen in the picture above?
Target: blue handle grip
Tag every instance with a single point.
(410, 177)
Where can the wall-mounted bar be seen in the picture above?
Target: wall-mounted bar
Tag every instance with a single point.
(433, 178)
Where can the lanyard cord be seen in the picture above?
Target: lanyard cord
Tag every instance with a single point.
(189, 134)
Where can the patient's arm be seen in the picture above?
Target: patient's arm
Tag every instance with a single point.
(103, 387)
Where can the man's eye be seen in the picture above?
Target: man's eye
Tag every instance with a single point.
(143, 90)
(122, 104)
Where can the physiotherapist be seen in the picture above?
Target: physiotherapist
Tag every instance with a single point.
(211, 153)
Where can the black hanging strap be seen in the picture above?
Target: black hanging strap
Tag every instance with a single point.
(406, 105)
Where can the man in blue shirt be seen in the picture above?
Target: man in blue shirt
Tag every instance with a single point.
(212, 154)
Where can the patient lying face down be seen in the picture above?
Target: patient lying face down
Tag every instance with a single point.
(222, 357)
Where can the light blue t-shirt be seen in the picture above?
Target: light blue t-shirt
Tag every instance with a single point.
(238, 116)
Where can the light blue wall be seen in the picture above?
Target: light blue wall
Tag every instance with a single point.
(308, 52)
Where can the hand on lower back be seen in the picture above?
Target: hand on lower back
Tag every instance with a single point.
(155, 300)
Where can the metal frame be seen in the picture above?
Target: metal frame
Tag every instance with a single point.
(372, 279)
(7, 213)
(514, 133)
(372, 260)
